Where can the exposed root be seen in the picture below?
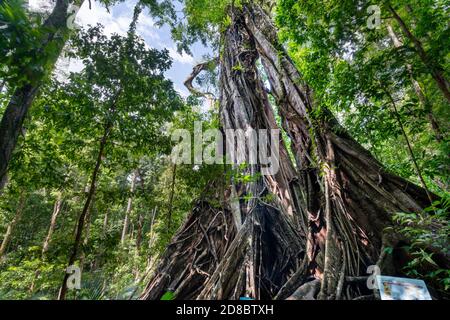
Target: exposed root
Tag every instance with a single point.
(307, 291)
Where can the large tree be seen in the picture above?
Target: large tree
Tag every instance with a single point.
(305, 231)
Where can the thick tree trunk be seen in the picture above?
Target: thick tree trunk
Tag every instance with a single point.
(87, 204)
(253, 243)
(11, 125)
(10, 229)
(329, 212)
(15, 113)
(356, 195)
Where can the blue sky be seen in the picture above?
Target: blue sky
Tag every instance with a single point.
(118, 19)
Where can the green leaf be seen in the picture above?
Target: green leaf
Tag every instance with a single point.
(169, 295)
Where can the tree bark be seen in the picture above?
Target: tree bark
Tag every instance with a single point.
(256, 246)
(189, 256)
(87, 222)
(357, 195)
(11, 125)
(11, 227)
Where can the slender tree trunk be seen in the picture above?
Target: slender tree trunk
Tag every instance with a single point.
(10, 229)
(82, 218)
(152, 238)
(172, 192)
(141, 217)
(140, 224)
(139, 232)
(99, 256)
(88, 220)
(126, 219)
(51, 228)
(11, 124)
(46, 243)
(105, 221)
(435, 71)
(408, 144)
(426, 104)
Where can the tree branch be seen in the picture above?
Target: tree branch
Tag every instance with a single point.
(195, 72)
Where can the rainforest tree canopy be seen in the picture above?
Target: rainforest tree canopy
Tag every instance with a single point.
(358, 91)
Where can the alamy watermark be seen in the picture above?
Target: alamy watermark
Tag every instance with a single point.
(74, 280)
(44, 8)
(72, 13)
(374, 19)
(374, 271)
(250, 146)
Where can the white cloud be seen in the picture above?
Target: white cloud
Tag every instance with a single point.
(99, 14)
(117, 21)
(75, 65)
(146, 27)
(41, 6)
(181, 58)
